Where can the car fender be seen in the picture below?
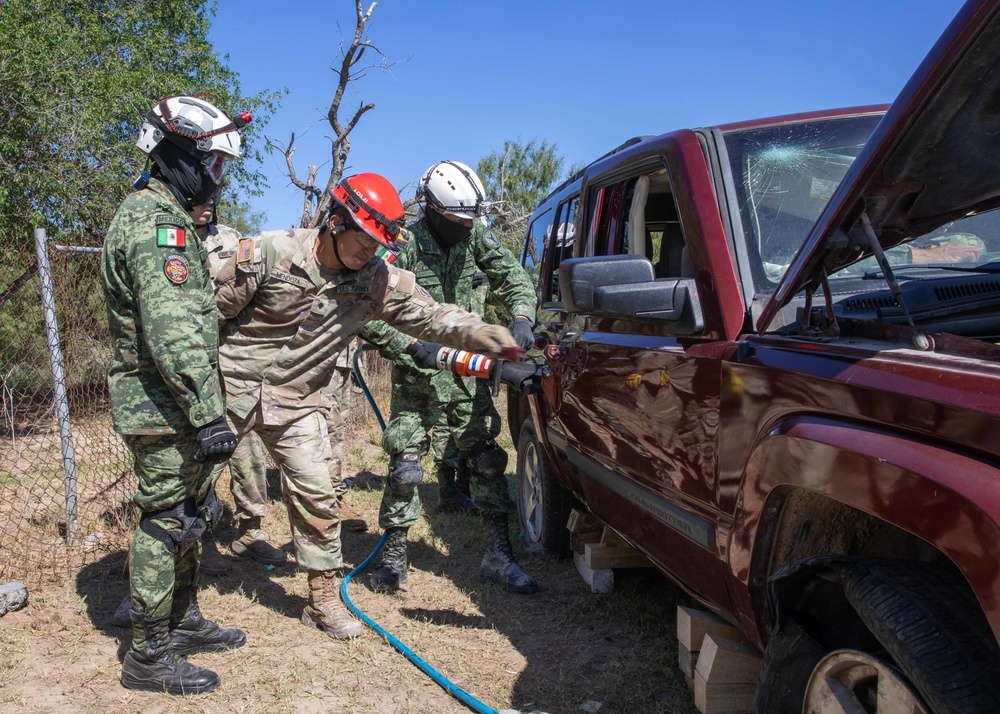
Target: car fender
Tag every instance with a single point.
(947, 498)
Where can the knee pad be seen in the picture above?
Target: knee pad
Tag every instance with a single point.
(178, 540)
(406, 472)
(489, 460)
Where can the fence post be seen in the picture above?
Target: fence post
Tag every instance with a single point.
(59, 380)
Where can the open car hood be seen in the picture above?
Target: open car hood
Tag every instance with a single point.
(934, 157)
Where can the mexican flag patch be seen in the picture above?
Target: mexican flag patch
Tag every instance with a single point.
(169, 237)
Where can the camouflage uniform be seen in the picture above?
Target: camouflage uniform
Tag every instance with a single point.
(164, 380)
(294, 320)
(338, 406)
(248, 464)
(460, 410)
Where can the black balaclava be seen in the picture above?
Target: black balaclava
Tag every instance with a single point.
(184, 175)
(446, 233)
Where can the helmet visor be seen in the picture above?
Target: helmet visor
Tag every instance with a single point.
(215, 167)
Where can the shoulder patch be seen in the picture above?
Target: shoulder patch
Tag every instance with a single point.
(223, 254)
(175, 267)
(165, 219)
(245, 250)
(423, 293)
(491, 240)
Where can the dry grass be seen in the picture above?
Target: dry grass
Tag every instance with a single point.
(552, 651)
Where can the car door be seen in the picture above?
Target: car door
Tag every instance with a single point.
(639, 406)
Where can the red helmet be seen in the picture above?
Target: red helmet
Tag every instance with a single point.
(375, 206)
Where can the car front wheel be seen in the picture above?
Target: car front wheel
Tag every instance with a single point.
(908, 638)
(543, 505)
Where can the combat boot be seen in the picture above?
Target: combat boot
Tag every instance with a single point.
(451, 498)
(252, 541)
(498, 564)
(152, 665)
(392, 568)
(211, 561)
(191, 633)
(324, 611)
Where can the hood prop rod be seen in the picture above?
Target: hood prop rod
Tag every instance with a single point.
(920, 340)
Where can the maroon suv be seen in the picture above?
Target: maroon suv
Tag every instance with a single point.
(772, 365)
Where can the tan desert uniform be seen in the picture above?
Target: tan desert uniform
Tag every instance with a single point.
(285, 321)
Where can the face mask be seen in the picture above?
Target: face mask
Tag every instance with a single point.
(446, 233)
(184, 175)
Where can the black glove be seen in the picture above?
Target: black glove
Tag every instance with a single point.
(424, 354)
(479, 280)
(521, 329)
(216, 442)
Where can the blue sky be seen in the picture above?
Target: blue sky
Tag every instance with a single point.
(584, 75)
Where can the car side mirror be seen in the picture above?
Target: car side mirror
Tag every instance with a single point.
(625, 287)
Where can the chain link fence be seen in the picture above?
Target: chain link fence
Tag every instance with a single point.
(66, 478)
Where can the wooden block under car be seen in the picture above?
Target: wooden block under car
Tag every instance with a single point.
(580, 522)
(584, 528)
(600, 581)
(686, 661)
(599, 556)
(725, 676)
(693, 625)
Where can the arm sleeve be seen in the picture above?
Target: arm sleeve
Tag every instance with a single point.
(411, 309)
(235, 285)
(178, 328)
(391, 342)
(508, 280)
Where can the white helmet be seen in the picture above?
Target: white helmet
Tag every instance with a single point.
(454, 189)
(207, 127)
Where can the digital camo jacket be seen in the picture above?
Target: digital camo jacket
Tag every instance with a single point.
(161, 314)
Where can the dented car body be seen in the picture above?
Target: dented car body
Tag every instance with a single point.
(772, 364)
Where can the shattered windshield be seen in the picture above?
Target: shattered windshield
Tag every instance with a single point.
(784, 176)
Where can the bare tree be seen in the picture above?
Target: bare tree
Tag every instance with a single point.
(316, 199)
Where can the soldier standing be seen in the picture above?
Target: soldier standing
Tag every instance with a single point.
(292, 301)
(447, 247)
(166, 396)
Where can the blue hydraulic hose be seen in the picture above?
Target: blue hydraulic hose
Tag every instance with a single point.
(364, 387)
(449, 686)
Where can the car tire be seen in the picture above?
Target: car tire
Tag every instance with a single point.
(920, 629)
(543, 505)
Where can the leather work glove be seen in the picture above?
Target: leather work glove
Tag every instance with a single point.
(490, 339)
(216, 442)
(521, 329)
(424, 354)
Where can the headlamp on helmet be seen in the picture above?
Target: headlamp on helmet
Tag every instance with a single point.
(194, 124)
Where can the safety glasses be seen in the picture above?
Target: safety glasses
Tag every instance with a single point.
(361, 236)
(215, 166)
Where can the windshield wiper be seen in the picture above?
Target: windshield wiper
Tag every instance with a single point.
(985, 268)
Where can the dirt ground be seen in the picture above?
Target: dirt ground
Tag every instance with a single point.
(559, 651)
